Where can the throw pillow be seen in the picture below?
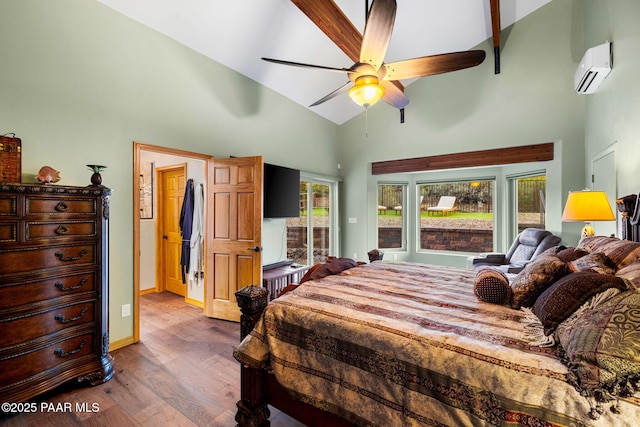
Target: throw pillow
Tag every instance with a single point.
(631, 273)
(332, 266)
(492, 286)
(553, 250)
(601, 348)
(567, 294)
(597, 262)
(621, 252)
(571, 254)
(535, 278)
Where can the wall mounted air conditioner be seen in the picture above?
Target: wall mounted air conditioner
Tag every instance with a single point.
(594, 67)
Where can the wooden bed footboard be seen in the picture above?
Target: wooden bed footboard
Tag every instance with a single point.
(259, 389)
(630, 209)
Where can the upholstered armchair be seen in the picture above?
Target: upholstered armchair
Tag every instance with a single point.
(528, 245)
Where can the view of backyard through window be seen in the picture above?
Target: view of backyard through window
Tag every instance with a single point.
(457, 216)
(314, 213)
(453, 216)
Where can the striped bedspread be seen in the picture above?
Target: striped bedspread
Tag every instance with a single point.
(405, 344)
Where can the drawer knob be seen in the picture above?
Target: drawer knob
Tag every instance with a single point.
(63, 288)
(62, 207)
(61, 230)
(60, 317)
(61, 353)
(61, 256)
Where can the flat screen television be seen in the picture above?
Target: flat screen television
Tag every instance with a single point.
(281, 196)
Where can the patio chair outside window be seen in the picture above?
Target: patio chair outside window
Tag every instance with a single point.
(445, 206)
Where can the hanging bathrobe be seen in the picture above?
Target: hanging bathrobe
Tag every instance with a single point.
(186, 222)
(196, 263)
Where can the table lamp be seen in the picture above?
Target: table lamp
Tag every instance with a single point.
(587, 206)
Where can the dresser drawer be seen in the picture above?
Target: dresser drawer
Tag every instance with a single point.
(8, 232)
(24, 364)
(42, 205)
(22, 327)
(15, 294)
(35, 231)
(30, 259)
(8, 205)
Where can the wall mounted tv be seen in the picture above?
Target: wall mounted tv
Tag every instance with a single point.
(281, 196)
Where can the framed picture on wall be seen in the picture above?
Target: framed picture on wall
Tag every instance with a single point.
(146, 190)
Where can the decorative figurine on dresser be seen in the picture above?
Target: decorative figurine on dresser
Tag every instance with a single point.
(54, 288)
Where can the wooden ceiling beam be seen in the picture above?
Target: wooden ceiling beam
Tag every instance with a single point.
(494, 157)
(495, 31)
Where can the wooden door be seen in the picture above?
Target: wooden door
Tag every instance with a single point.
(171, 194)
(234, 230)
(603, 180)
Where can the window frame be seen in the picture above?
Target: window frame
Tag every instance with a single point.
(461, 179)
(405, 213)
(334, 232)
(512, 199)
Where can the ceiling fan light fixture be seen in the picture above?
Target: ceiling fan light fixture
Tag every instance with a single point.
(367, 91)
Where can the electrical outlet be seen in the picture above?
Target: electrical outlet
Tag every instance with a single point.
(126, 310)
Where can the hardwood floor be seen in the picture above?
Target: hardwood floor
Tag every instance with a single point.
(181, 373)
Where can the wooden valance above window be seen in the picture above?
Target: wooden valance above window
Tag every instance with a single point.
(499, 156)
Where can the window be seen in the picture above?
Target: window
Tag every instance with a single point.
(391, 222)
(530, 201)
(310, 238)
(466, 225)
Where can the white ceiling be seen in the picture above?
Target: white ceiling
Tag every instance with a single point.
(237, 33)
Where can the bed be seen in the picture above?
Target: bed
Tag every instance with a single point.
(394, 343)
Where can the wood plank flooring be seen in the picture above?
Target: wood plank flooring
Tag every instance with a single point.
(181, 373)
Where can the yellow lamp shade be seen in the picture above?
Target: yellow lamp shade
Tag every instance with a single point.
(366, 91)
(588, 206)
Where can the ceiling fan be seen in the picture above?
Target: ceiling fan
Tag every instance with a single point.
(370, 79)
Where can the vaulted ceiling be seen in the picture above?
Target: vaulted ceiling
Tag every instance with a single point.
(237, 33)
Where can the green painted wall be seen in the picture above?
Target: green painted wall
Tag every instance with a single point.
(79, 82)
(531, 101)
(612, 114)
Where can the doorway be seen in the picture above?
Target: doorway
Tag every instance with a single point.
(146, 216)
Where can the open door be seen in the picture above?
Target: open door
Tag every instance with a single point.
(171, 186)
(234, 243)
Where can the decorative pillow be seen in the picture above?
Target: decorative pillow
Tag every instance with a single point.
(597, 262)
(621, 252)
(631, 273)
(601, 348)
(332, 266)
(492, 286)
(553, 250)
(535, 278)
(571, 254)
(566, 295)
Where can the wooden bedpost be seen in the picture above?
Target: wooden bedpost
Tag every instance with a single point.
(252, 406)
(628, 206)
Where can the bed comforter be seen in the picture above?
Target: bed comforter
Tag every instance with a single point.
(404, 344)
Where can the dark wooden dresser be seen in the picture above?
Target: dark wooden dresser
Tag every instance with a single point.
(53, 288)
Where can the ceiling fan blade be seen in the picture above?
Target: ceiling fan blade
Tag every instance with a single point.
(434, 64)
(300, 64)
(495, 29)
(394, 94)
(377, 32)
(334, 23)
(332, 94)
